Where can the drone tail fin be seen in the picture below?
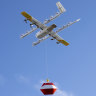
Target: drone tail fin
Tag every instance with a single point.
(60, 7)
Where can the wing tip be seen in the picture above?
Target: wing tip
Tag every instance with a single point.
(26, 15)
(64, 42)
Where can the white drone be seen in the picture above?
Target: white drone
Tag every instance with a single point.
(45, 31)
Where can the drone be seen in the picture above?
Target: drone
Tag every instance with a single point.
(47, 31)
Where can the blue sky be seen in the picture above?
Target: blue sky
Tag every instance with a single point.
(23, 67)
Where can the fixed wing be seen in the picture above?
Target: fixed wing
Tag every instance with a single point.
(47, 31)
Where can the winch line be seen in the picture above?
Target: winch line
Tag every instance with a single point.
(46, 60)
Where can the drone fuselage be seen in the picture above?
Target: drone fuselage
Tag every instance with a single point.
(42, 33)
(46, 31)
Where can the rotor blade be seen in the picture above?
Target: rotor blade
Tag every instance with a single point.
(29, 32)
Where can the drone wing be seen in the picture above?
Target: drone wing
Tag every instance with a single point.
(60, 39)
(33, 20)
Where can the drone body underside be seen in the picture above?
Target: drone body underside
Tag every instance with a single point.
(47, 32)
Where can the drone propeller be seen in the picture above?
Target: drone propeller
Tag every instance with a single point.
(25, 20)
(31, 25)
